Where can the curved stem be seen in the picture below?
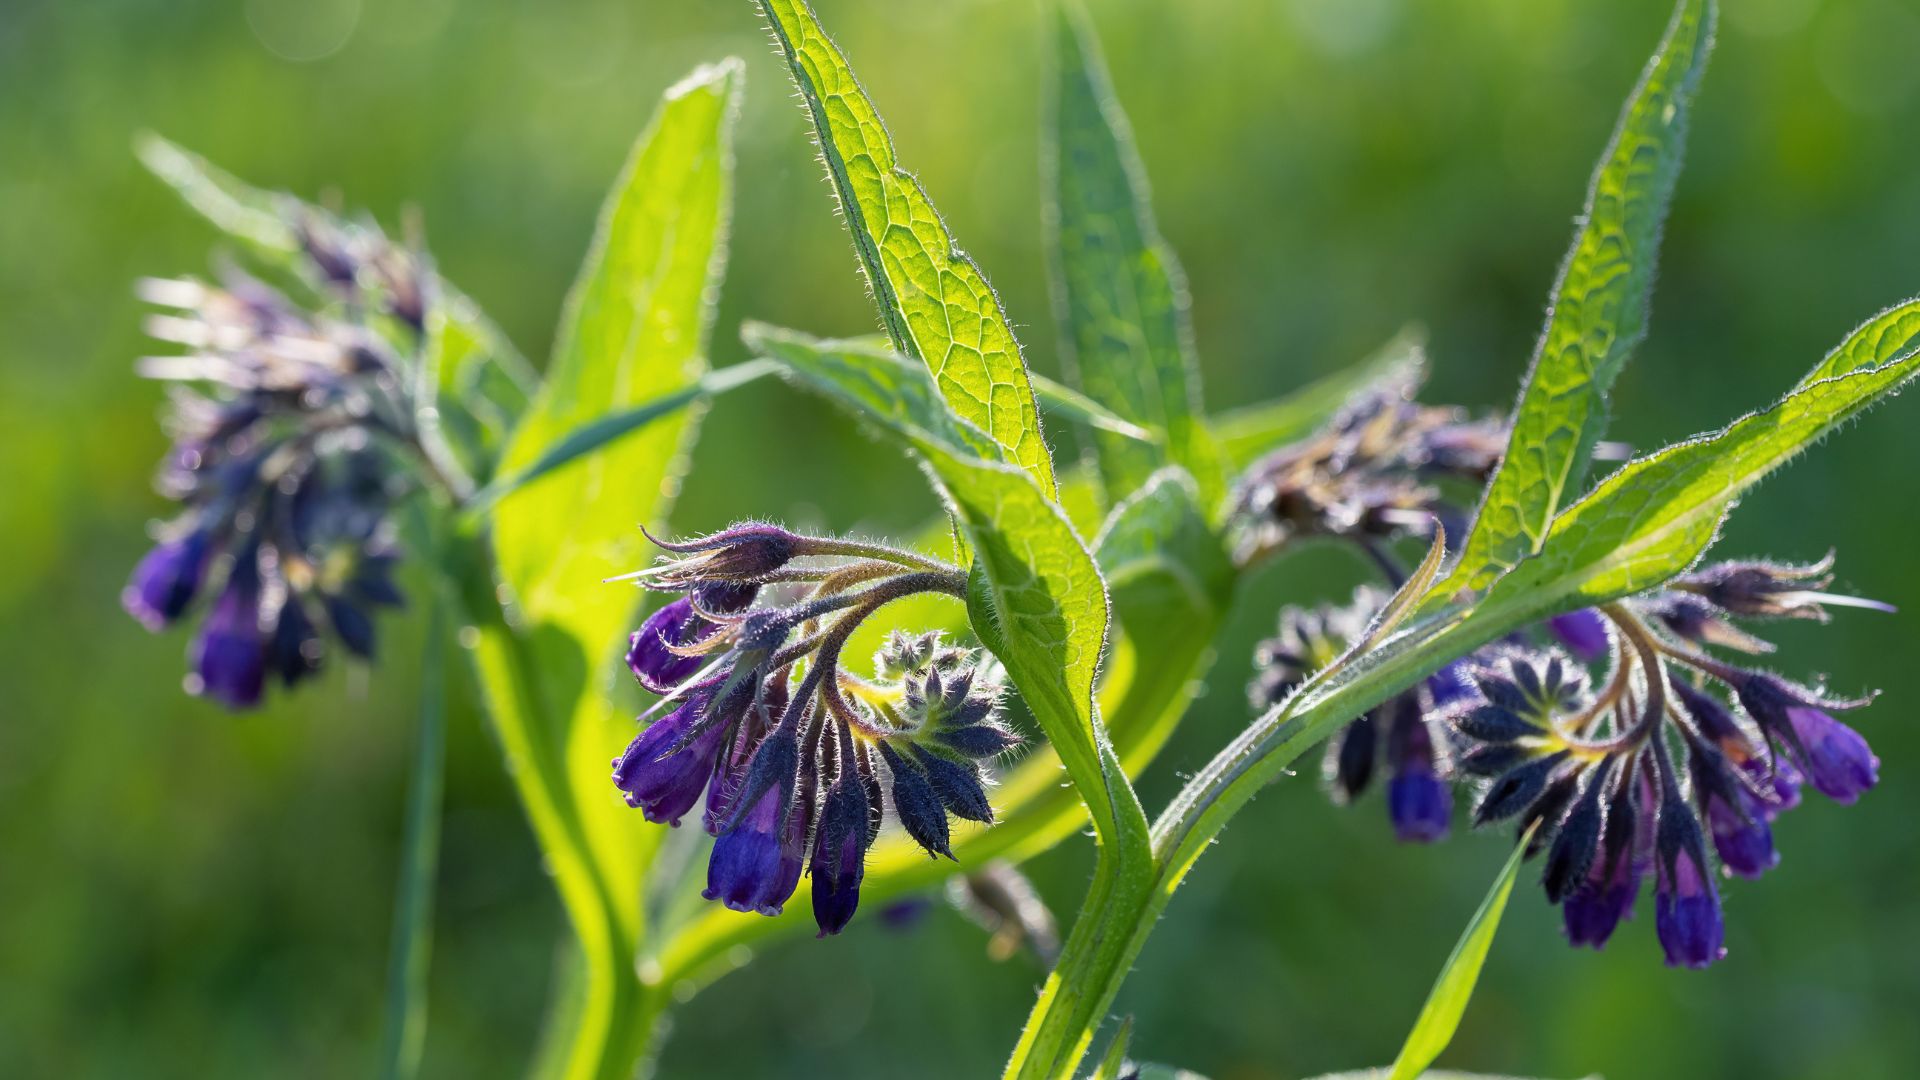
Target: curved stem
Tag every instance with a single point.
(1118, 918)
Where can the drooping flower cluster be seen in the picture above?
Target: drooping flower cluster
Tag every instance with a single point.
(1380, 469)
(1676, 751)
(285, 418)
(796, 758)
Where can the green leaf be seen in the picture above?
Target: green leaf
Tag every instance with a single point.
(484, 382)
(596, 434)
(934, 303)
(1168, 571)
(1038, 600)
(1115, 1058)
(635, 329)
(1119, 294)
(1247, 433)
(1598, 313)
(1657, 515)
(1447, 1003)
(1873, 343)
(1066, 401)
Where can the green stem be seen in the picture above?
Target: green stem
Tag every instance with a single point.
(412, 949)
(608, 1036)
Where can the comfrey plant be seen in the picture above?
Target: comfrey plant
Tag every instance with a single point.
(1549, 653)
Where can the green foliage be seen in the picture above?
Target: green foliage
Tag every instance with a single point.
(635, 330)
(1119, 294)
(598, 433)
(1447, 1003)
(1037, 599)
(1114, 1061)
(1598, 313)
(1653, 518)
(933, 300)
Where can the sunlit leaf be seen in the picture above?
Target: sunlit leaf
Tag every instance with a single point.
(596, 434)
(1447, 1003)
(1656, 515)
(1115, 1059)
(933, 300)
(1038, 600)
(1598, 311)
(1874, 342)
(635, 330)
(1118, 290)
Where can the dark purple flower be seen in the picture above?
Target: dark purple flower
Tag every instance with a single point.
(230, 654)
(839, 854)
(1418, 803)
(1741, 833)
(1592, 911)
(1686, 908)
(667, 767)
(1835, 758)
(751, 868)
(165, 581)
(657, 666)
(1583, 632)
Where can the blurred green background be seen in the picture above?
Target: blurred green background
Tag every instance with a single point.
(188, 893)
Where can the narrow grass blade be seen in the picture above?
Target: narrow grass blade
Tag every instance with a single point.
(1447, 1003)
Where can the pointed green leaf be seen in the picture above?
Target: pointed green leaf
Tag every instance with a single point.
(1657, 515)
(1119, 294)
(1447, 1003)
(1598, 313)
(1037, 600)
(934, 302)
(1246, 433)
(1874, 342)
(592, 436)
(1115, 1059)
(635, 330)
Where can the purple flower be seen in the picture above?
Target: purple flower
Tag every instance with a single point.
(751, 868)
(1741, 833)
(230, 654)
(1686, 908)
(657, 666)
(165, 581)
(1836, 759)
(294, 652)
(1583, 632)
(839, 854)
(1418, 803)
(666, 769)
(1592, 911)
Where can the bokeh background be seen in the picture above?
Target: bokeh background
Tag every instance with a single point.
(188, 893)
